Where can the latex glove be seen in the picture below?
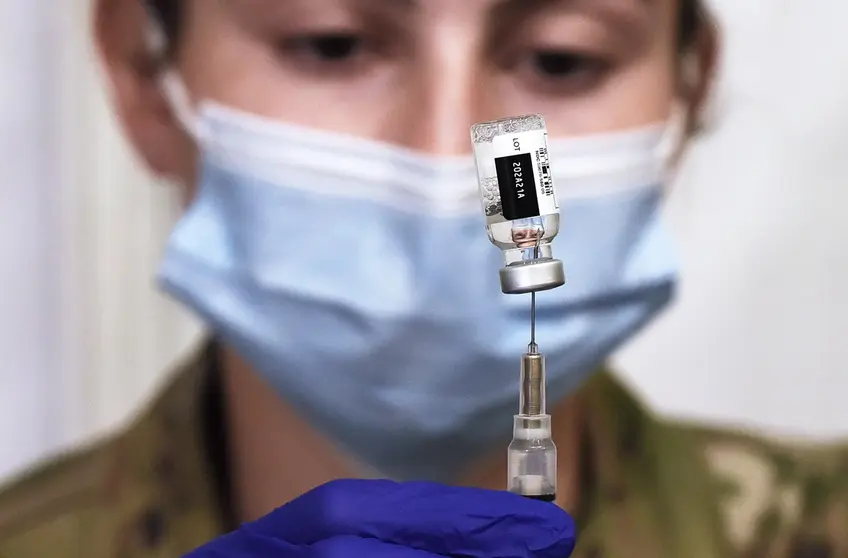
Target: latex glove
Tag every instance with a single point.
(385, 519)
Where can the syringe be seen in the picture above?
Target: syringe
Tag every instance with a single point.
(522, 219)
(531, 456)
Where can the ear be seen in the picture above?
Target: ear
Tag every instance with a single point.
(132, 68)
(698, 72)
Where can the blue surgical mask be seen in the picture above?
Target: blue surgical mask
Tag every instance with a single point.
(358, 280)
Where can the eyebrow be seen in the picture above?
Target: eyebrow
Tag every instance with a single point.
(498, 10)
(529, 5)
(535, 5)
(508, 10)
(406, 5)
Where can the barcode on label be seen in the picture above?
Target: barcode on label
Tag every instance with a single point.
(547, 185)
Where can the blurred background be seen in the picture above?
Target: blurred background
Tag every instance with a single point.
(757, 337)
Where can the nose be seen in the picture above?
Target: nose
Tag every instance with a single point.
(442, 96)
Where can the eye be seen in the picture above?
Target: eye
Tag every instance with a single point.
(564, 70)
(327, 52)
(560, 63)
(330, 48)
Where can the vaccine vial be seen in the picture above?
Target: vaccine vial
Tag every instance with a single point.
(519, 200)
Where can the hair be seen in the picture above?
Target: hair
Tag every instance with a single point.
(693, 20)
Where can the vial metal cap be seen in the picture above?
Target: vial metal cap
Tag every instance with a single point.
(532, 276)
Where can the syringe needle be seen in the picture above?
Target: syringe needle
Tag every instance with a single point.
(532, 318)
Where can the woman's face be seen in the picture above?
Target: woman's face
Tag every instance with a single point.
(419, 72)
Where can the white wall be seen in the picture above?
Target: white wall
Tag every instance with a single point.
(119, 334)
(83, 335)
(760, 332)
(755, 336)
(28, 334)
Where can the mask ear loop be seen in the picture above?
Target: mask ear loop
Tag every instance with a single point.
(670, 147)
(181, 105)
(679, 122)
(674, 135)
(171, 85)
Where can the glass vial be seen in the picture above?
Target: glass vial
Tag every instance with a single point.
(519, 200)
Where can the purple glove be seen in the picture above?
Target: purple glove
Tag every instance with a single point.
(385, 519)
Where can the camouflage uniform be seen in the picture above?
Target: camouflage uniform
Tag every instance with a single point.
(648, 489)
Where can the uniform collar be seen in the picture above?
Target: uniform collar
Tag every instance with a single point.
(171, 466)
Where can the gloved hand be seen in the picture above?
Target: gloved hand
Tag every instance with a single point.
(385, 519)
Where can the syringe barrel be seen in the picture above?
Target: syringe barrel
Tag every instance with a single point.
(532, 458)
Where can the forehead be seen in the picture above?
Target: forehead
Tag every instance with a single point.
(456, 8)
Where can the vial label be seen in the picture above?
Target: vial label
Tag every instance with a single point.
(524, 175)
